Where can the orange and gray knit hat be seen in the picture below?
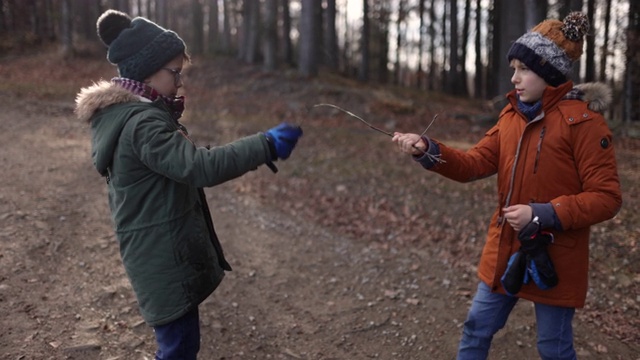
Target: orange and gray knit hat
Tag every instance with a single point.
(551, 47)
(138, 47)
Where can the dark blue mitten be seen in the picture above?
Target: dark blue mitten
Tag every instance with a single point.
(515, 274)
(284, 138)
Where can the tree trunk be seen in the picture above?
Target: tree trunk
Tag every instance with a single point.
(433, 65)
(511, 22)
(330, 37)
(421, 31)
(605, 45)
(213, 34)
(590, 60)
(535, 11)
(363, 70)
(225, 43)
(66, 28)
(271, 35)
(632, 83)
(287, 47)
(479, 73)
(463, 88)
(197, 28)
(308, 62)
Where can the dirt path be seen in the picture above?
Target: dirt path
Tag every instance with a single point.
(298, 291)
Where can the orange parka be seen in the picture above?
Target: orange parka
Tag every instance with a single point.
(564, 156)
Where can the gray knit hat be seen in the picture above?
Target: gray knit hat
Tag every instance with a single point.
(138, 47)
(551, 47)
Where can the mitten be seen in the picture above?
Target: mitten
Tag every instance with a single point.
(284, 138)
(539, 266)
(514, 276)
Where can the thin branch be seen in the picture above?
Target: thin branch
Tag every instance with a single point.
(355, 116)
(434, 158)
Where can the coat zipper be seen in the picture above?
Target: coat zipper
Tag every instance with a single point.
(539, 148)
(515, 163)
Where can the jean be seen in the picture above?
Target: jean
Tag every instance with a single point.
(488, 314)
(179, 339)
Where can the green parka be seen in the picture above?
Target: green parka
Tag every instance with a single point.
(155, 177)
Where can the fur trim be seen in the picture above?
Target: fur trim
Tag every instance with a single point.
(99, 96)
(598, 95)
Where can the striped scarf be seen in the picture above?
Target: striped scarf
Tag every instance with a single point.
(175, 104)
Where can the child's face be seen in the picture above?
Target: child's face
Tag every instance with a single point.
(529, 86)
(168, 79)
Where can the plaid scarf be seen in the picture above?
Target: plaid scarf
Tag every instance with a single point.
(175, 104)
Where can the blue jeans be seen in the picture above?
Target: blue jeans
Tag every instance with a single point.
(488, 314)
(179, 339)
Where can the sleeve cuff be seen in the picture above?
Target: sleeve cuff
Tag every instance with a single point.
(547, 215)
(433, 151)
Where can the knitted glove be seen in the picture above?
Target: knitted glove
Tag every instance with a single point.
(283, 138)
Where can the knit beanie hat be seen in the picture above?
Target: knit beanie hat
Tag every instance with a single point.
(551, 47)
(138, 47)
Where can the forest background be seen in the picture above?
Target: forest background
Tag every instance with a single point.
(394, 276)
(455, 47)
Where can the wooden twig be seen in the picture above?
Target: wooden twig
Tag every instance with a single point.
(434, 158)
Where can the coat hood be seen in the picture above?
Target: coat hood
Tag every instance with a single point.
(99, 96)
(106, 107)
(598, 95)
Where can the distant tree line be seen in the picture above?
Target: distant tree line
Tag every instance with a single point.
(454, 46)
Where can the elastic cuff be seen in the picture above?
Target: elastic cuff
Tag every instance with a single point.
(433, 152)
(272, 148)
(547, 215)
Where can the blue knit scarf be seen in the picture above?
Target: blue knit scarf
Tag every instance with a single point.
(530, 110)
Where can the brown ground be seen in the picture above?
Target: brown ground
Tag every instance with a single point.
(349, 252)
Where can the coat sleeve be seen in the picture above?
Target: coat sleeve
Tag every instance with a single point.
(479, 162)
(595, 161)
(168, 151)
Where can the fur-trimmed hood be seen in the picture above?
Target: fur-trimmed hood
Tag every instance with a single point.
(99, 96)
(598, 95)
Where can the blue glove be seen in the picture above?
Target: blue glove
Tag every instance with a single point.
(284, 138)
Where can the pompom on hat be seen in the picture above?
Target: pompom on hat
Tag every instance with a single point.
(138, 47)
(551, 47)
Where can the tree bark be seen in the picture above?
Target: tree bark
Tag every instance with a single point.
(271, 35)
(330, 37)
(308, 62)
(363, 70)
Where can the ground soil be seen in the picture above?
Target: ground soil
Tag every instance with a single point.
(349, 252)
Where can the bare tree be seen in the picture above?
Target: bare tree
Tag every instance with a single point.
(330, 36)
(535, 11)
(225, 43)
(511, 22)
(271, 35)
(213, 34)
(287, 46)
(590, 59)
(197, 28)
(631, 109)
(308, 61)
(479, 73)
(66, 29)
(363, 70)
(604, 52)
(421, 32)
(462, 87)
(432, 47)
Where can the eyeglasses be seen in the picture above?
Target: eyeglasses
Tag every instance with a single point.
(177, 75)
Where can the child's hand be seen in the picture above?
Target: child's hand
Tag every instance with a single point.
(518, 215)
(411, 144)
(284, 137)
